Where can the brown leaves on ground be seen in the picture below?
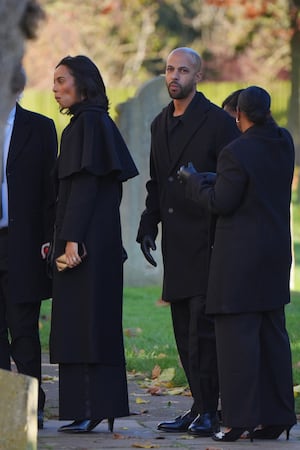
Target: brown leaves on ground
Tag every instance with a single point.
(161, 382)
(144, 445)
(49, 378)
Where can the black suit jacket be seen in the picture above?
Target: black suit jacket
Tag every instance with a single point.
(31, 201)
(251, 258)
(205, 129)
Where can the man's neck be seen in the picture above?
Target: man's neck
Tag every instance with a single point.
(180, 105)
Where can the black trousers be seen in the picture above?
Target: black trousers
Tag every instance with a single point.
(255, 369)
(195, 339)
(19, 329)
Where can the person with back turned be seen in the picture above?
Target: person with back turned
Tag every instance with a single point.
(249, 275)
(189, 128)
(26, 227)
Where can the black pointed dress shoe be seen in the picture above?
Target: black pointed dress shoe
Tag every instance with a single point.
(272, 432)
(40, 419)
(181, 423)
(80, 426)
(85, 425)
(205, 425)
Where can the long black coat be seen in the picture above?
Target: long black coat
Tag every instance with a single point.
(87, 300)
(185, 227)
(31, 202)
(251, 258)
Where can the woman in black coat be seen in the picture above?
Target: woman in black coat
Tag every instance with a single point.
(250, 270)
(86, 330)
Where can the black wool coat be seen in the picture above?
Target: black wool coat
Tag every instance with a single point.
(206, 129)
(87, 300)
(251, 258)
(31, 204)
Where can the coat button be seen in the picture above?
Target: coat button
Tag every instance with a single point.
(170, 179)
(170, 210)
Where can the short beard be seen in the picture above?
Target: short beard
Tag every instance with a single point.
(181, 94)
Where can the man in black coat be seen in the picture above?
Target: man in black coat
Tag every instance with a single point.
(190, 128)
(26, 227)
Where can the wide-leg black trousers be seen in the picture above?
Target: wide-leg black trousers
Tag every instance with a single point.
(255, 369)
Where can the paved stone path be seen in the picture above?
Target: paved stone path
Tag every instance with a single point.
(139, 429)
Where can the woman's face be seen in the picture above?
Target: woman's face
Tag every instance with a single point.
(64, 87)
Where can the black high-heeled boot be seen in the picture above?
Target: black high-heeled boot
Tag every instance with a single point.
(85, 426)
(110, 422)
(233, 435)
(272, 432)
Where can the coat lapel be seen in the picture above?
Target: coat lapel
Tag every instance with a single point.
(192, 121)
(20, 133)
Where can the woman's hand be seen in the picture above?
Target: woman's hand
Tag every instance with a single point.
(72, 256)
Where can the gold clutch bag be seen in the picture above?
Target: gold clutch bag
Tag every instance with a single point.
(61, 261)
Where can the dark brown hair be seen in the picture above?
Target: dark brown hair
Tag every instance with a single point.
(88, 79)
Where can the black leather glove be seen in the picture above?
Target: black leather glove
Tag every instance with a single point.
(185, 172)
(210, 177)
(147, 244)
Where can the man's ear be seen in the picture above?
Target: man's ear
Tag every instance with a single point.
(199, 77)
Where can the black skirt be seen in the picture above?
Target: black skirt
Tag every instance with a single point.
(92, 391)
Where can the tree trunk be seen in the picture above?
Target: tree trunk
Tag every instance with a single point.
(294, 104)
(11, 52)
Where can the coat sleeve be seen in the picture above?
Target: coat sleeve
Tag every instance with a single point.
(79, 207)
(49, 197)
(226, 195)
(151, 215)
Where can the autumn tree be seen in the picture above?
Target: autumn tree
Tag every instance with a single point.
(251, 41)
(271, 30)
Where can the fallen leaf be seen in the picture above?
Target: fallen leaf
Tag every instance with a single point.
(161, 356)
(297, 390)
(49, 379)
(186, 437)
(136, 375)
(139, 401)
(176, 390)
(144, 445)
(118, 436)
(156, 371)
(161, 302)
(131, 332)
(167, 374)
(213, 448)
(155, 390)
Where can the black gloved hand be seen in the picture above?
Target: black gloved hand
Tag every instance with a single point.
(147, 244)
(185, 172)
(210, 177)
